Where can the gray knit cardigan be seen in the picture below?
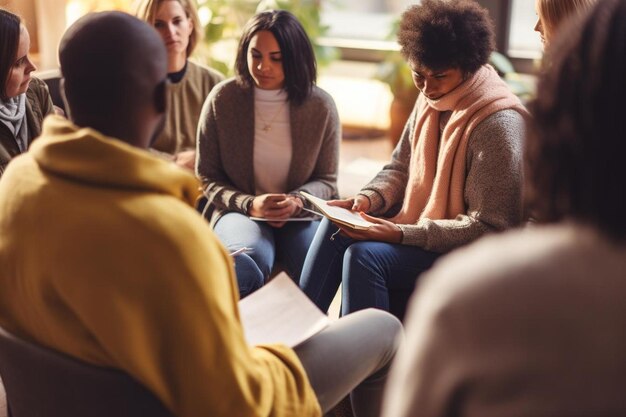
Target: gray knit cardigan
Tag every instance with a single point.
(224, 159)
(493, 184)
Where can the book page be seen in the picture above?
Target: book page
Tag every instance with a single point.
(339, 214)
(280, 312)
(290, 219)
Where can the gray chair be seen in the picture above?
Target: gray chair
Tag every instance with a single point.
(52, 78)
(40, 382)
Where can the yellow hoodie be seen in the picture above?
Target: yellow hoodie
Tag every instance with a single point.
(103, 258)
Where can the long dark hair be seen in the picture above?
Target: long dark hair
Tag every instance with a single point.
(577, 142)
(10, 26)
(297, 53)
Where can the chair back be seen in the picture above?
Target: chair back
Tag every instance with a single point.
(40, 382)
(52, 78)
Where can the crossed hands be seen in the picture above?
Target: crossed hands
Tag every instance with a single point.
(186, 159)
(382, 231)
(277, 207)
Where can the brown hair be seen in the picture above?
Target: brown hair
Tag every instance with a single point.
(577, 139)
(147, 10)
(10, 27)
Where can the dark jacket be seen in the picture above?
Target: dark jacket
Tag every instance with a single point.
(38, 106)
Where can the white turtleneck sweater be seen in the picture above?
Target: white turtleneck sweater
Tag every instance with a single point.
(272, 141)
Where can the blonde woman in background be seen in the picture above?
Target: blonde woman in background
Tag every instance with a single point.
(552, 13)
(178, 24)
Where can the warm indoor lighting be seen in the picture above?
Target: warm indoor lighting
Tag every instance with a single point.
(205, 15)
(77, 8)
(73, 10)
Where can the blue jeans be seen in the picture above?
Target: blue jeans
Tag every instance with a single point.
(268, 245)
(368, 270)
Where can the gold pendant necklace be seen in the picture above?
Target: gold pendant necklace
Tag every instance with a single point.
(267, 126)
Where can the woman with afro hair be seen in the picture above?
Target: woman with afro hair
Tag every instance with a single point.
(455, 174)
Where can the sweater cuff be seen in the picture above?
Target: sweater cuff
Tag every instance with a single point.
(247, 204)
(413, 235)
(376, 200)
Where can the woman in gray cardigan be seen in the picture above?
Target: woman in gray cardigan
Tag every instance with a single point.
(454, 175)
(263, 137)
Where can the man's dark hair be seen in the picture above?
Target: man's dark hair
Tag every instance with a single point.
(10, 26)
(440, 35)
(298, 58)
(577, 141)
(111, 62)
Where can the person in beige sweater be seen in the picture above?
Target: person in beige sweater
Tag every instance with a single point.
(189, 83)
(531, 322)
(454, 175)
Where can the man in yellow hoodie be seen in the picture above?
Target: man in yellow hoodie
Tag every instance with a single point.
(103, 257)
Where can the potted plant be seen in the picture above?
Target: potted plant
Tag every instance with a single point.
(396, 73)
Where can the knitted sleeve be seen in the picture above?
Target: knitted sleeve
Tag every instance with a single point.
(218, 187)
(493, 188)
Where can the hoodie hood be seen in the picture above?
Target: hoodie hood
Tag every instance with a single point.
(85, 155)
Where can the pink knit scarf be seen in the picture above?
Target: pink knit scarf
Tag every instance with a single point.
(437, 172)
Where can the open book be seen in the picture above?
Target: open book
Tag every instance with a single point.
(338, 214)
(280, 312)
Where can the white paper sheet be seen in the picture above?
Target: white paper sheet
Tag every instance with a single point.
(280, 312)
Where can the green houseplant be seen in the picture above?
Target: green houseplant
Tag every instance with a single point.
(225, 20)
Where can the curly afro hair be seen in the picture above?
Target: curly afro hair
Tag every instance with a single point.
(443, 34)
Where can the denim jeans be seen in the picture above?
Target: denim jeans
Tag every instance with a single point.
(368, 270)
(287, 245)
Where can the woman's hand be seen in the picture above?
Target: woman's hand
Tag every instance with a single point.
(382, 231)
(359, 203)
(186, 159)
(275, 206)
